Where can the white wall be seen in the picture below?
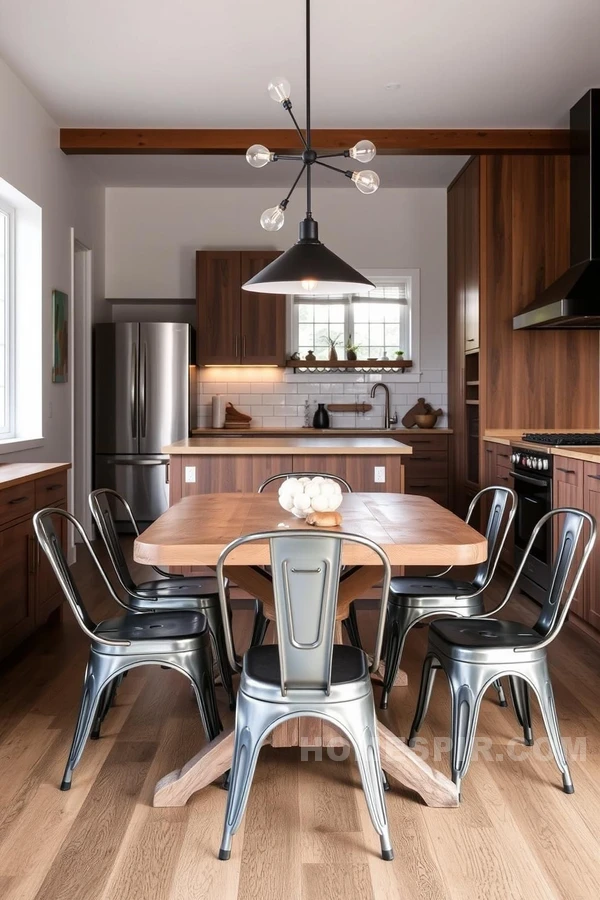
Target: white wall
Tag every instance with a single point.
(152, 235)
(30, 160)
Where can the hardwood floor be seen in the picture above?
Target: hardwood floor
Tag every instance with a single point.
(307, 834)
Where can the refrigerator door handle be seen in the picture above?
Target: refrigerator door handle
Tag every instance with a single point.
(134, 392)
(137, 462)
(143, 387)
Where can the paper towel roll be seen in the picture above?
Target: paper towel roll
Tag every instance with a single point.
(218, 411)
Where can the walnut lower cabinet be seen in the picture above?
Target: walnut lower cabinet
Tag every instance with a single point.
(426, 470)
(577, 484)
(497, 469)
(30, 592)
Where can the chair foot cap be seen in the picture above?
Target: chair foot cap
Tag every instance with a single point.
(568, 789)
(529, 742)
(224, 854)
(412, 741)
(387, 854)
(503, 703)
(383, 703)
(95, 735)
(65, 785)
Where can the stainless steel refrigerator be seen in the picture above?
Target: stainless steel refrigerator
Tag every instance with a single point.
(143, 380)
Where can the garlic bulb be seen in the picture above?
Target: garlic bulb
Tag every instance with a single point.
(301, 496)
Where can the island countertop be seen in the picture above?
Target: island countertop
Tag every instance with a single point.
(263, 446)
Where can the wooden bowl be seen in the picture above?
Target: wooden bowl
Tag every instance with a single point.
(426, 421)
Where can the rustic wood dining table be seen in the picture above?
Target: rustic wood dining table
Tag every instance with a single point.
(412, 530)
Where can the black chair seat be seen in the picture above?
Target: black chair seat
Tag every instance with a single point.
(178, 587)
(154, 626)
(422, 586)
(349, 664)
(478, 634)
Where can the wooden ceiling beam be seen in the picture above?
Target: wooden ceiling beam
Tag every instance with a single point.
(408, 141)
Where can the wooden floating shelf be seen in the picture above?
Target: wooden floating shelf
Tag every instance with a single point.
(350, 407)
(352, 364)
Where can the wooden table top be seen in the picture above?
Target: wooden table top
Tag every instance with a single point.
(257, 445)
(412, 530)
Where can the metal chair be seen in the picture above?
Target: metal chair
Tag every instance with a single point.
(170, 592)
(305, 674)
(176, 640)
(414, 598)
(261, 624)
(474, 652)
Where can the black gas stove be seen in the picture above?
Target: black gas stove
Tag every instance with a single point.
(563, 440)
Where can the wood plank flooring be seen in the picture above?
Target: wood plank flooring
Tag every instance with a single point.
(307, 834)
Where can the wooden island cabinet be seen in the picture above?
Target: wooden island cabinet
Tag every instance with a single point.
(30, 592)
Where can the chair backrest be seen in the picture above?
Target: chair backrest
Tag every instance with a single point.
(51, 545)
(497, 528)
(341, 481)
(306, 569)
(563, 581)
(100, 505)
(564, 578)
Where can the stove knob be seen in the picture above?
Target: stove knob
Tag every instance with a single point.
(540, 463)
(545, 464)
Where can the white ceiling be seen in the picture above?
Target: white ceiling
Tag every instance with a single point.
(234, 171)
(201, 63)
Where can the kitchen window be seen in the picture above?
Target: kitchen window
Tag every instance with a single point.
(7, 319)
(378, 325)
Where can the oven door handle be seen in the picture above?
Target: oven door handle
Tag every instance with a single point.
(539, 482)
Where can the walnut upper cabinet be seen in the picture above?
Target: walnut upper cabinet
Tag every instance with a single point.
(470, 185)
(237, 327)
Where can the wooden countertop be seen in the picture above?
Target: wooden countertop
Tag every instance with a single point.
(513, 439)
(19, 473)
(312, 446)
(318, 432)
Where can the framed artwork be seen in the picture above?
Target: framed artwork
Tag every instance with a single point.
(60, 336)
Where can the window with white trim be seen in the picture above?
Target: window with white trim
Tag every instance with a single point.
(377, 325)
(7, 317)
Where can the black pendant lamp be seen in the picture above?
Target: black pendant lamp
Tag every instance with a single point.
(308, 267)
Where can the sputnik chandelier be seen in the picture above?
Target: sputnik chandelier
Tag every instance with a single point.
(308, 267)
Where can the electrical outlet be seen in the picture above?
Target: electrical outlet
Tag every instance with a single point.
(379, 474)
(190, 474)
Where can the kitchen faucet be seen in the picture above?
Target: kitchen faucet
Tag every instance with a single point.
(388, 420)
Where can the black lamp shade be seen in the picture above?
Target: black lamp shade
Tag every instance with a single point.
(309, 268)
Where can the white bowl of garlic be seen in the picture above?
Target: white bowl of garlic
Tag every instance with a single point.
(302, 496)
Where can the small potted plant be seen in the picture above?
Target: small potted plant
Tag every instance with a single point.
(351, 349)
(399, 355)
(332, 341)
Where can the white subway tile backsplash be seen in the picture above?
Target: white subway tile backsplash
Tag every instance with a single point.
(276, 397)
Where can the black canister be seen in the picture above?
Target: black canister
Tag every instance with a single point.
(321, 417)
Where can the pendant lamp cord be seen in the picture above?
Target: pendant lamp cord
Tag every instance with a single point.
(308, 138)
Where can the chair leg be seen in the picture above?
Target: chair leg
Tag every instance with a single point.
(545, 695)
(217, 634)
(105, 703)
(261, 623)
(466, 700)
(253, 719)
(358, 720)
(430, 667)
(520, 695)
(501, 695)
(198, 666)
(399, 622)
(351, 626)
(97, 681)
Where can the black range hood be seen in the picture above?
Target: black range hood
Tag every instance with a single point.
(573, 300)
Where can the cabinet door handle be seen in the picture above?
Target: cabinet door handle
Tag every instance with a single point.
(31, 554)
(53, 487)
(236, 352)
(243, 346)
(422, 458)
(469, 340)
(17, 500)
(566, 471)
(488, 450)
(595, 477)
(504, 455)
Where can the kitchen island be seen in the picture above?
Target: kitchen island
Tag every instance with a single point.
(241, 464)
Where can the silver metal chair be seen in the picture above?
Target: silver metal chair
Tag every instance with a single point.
(414, 598)
(475, 652)
(260, 623)
(170, 592)
(177, 640)
(305, 674)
